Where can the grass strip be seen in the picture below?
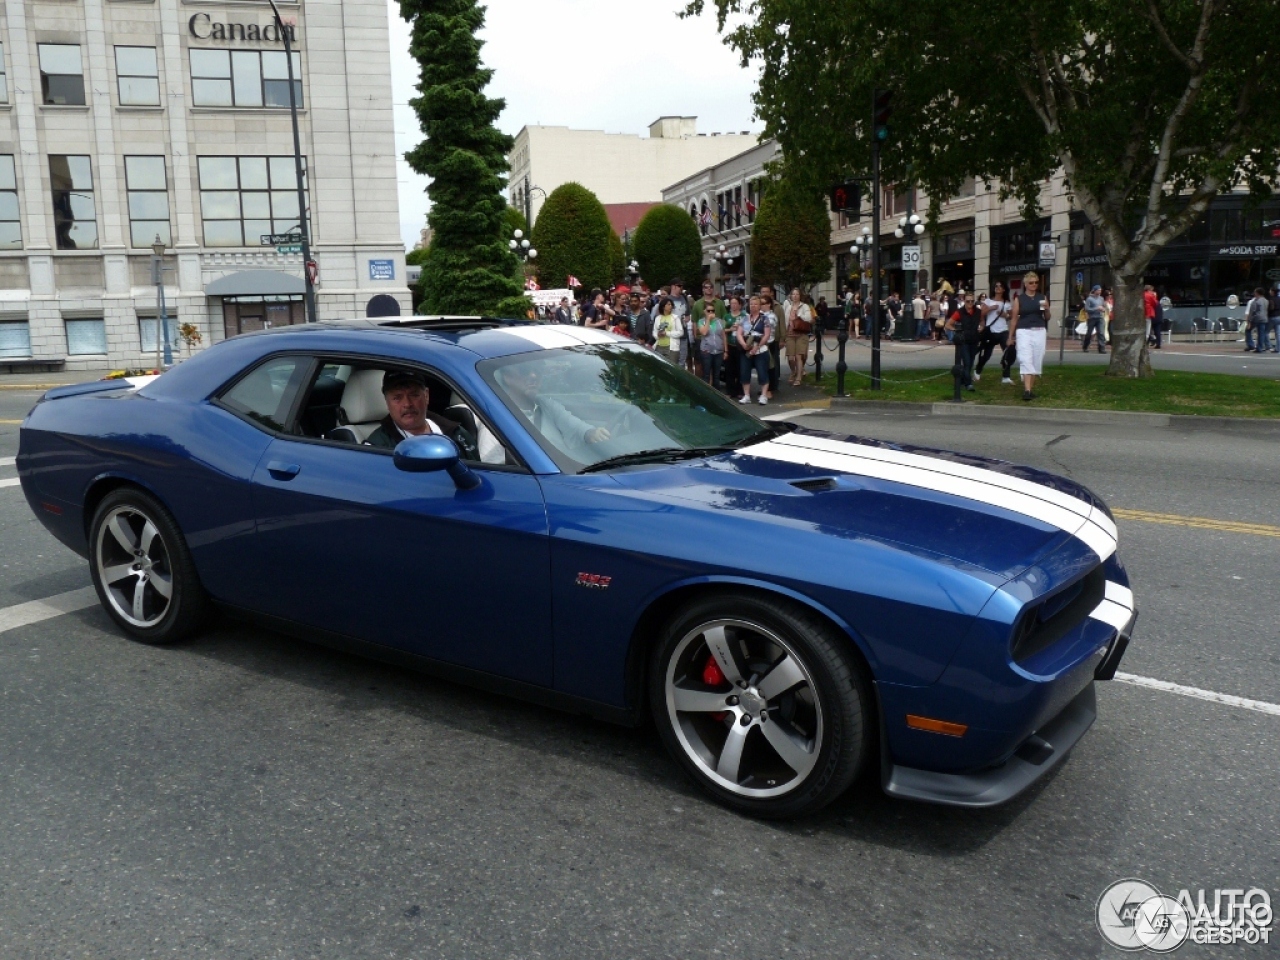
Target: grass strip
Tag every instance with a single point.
(1083, 388)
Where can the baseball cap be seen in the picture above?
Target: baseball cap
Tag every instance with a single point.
(396, 379)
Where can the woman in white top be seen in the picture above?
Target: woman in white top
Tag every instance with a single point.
(995, 311)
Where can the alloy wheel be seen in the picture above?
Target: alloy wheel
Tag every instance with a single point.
(134, 566)
(744, 707)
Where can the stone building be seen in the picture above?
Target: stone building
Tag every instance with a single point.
(124, 120)
(619, 168)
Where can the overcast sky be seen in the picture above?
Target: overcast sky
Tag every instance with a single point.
(586, 64)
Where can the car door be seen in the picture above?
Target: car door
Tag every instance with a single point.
(353, 545)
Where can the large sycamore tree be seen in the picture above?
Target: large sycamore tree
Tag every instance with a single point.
(470, 269)
(1150, 108)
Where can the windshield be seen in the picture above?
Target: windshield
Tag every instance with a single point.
(589, 404)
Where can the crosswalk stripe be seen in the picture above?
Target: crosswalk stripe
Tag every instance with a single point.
(34, 611)
(10, 483)
(8, 461)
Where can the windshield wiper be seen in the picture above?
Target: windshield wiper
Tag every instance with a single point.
(657, 455)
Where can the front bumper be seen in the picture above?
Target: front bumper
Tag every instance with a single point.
(1036, 756)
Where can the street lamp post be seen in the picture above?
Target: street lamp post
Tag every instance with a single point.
(911, 228)
(162, 321)
(519, 245)
(308, 268)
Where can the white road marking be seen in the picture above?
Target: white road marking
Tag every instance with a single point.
(10, 483)
(1258, 706)
(8, 461)
(789, 414)
(34, 611)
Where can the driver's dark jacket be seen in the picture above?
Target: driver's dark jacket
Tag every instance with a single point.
(388, 436)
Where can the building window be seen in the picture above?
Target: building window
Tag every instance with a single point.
(243, 78)
(4, 80)
(148, 201)
(61, 75)
(75, 217)
(10, 228)
(147, 335)
(86, 337)
(15, 339)
(137, 76)
(244, 198)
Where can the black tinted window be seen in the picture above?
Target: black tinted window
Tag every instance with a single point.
(266, 394)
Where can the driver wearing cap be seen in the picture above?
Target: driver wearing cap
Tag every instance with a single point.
(406, 395)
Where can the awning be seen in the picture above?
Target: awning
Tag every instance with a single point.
(256, 283)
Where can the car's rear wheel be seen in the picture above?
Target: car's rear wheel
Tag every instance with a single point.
(762, 703)
(142, 568)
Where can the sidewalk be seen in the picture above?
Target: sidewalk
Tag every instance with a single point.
(44, 381)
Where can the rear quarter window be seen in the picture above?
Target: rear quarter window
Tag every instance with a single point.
(265, 395)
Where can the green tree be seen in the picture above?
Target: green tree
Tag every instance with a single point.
(416, 258)
(513, 220)
(617, 258)
(1150, 108)
(470, 269)
(667, 245)
(571, 235)
(791, 238)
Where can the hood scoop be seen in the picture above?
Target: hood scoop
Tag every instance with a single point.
(816, 484)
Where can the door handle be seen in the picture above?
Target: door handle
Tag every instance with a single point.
(283, 471)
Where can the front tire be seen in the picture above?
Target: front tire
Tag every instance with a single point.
(142, 569)
(762, 703)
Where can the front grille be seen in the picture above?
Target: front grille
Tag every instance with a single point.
(1049, 620)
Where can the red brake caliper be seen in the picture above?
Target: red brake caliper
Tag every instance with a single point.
(713, 676)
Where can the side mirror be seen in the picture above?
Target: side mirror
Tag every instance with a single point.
(431, 452)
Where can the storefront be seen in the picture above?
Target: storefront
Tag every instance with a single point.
(1015, 251)
(258, 300)
(953, 259)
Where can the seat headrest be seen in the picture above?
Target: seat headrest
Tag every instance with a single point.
(362, 400)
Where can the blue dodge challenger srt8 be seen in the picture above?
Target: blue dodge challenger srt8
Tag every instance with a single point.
(584, 525)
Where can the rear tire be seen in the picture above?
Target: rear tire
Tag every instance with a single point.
(762, 702)
(142, 569)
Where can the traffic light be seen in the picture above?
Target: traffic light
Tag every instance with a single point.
(881, 111)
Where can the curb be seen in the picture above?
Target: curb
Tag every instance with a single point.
(1059, 414)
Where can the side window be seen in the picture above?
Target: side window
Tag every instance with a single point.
(267, 393)
(346, 404)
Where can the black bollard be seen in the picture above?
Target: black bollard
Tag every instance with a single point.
(957, 375)
(842, 338)
(817, 352)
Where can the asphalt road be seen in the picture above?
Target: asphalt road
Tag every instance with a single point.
(251, 796)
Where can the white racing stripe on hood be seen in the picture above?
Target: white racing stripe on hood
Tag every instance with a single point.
(931, 474)
(952, 469)
(553, 337)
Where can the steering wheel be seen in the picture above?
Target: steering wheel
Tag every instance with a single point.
(620, 425)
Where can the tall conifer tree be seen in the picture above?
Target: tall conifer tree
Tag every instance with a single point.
(470, 270)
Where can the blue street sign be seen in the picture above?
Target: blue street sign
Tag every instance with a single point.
(1079, 278)
(382, 269)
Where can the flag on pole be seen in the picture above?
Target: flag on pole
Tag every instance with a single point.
(751, 209)
(573, 281)
(705, 219)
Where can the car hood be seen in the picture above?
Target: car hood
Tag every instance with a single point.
(972, 511)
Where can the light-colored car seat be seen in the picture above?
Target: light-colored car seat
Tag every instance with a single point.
(362, 407)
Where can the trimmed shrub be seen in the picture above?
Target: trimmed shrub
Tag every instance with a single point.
(571, 235)
(667, 245)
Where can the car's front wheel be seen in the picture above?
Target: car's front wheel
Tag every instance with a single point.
(762, 703)
(142, 568)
